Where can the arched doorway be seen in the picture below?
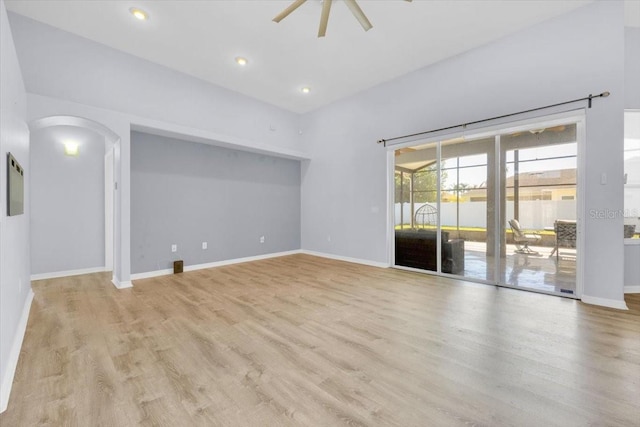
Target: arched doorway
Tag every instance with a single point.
(73, 197)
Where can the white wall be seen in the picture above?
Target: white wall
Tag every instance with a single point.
(14, 231)
(344, 187)
(61, 65)
(67, 201)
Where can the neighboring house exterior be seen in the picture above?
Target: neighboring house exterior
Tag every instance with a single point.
(547, 185)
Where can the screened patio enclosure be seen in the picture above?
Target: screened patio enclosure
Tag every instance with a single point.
(456, 200)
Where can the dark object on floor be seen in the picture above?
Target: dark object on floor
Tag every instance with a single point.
(417, 249)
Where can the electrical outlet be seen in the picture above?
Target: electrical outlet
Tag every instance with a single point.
(261, 239)
(174, 248)
(204, 245)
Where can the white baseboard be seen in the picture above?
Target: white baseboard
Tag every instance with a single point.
(14, 353)
(150, 274)
(164, 272)
(68, 273)
(605, 302)
(347, 259)
(239, 260)
(121, 285)
(632, 289)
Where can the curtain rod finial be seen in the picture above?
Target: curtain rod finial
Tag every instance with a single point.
(381, 141)
(605, 94)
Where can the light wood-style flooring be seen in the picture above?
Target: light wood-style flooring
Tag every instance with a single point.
(306, 341)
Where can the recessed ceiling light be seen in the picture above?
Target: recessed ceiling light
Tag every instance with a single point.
(306, 89)
(139, 13)
(241, 61)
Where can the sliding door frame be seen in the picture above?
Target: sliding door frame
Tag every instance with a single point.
(576, 116)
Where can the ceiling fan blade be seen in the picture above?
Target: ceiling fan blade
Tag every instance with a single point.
(324, 17)
(359, 14)
(293, 6)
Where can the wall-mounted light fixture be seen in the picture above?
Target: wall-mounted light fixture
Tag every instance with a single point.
(71, 148)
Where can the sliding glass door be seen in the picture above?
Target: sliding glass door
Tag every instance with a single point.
(499, 208)
(539, 198)
(416, 207)
(443, 220)
(467, 219)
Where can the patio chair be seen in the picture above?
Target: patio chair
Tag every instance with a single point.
(565, 235)
(522, 239)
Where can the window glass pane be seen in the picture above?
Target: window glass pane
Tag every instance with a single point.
(556, 141)
(479, 159)
(467, 223)
(548, 152)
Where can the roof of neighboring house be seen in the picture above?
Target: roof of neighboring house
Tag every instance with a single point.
(552, 178)
(545, 178)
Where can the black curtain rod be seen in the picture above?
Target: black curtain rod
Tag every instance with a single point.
(464, 125)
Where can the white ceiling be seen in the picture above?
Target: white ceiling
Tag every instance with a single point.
(202, 38)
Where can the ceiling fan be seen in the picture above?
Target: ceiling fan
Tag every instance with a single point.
(324, 16)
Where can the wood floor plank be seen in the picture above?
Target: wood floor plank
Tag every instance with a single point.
(307, 341)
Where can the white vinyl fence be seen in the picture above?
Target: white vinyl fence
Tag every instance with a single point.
(534, 214)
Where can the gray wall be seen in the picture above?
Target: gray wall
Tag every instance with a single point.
(344, 187)
(14, 231)
(67, 201)
(187, 193)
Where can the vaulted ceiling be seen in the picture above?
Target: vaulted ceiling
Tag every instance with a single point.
(203, 38)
